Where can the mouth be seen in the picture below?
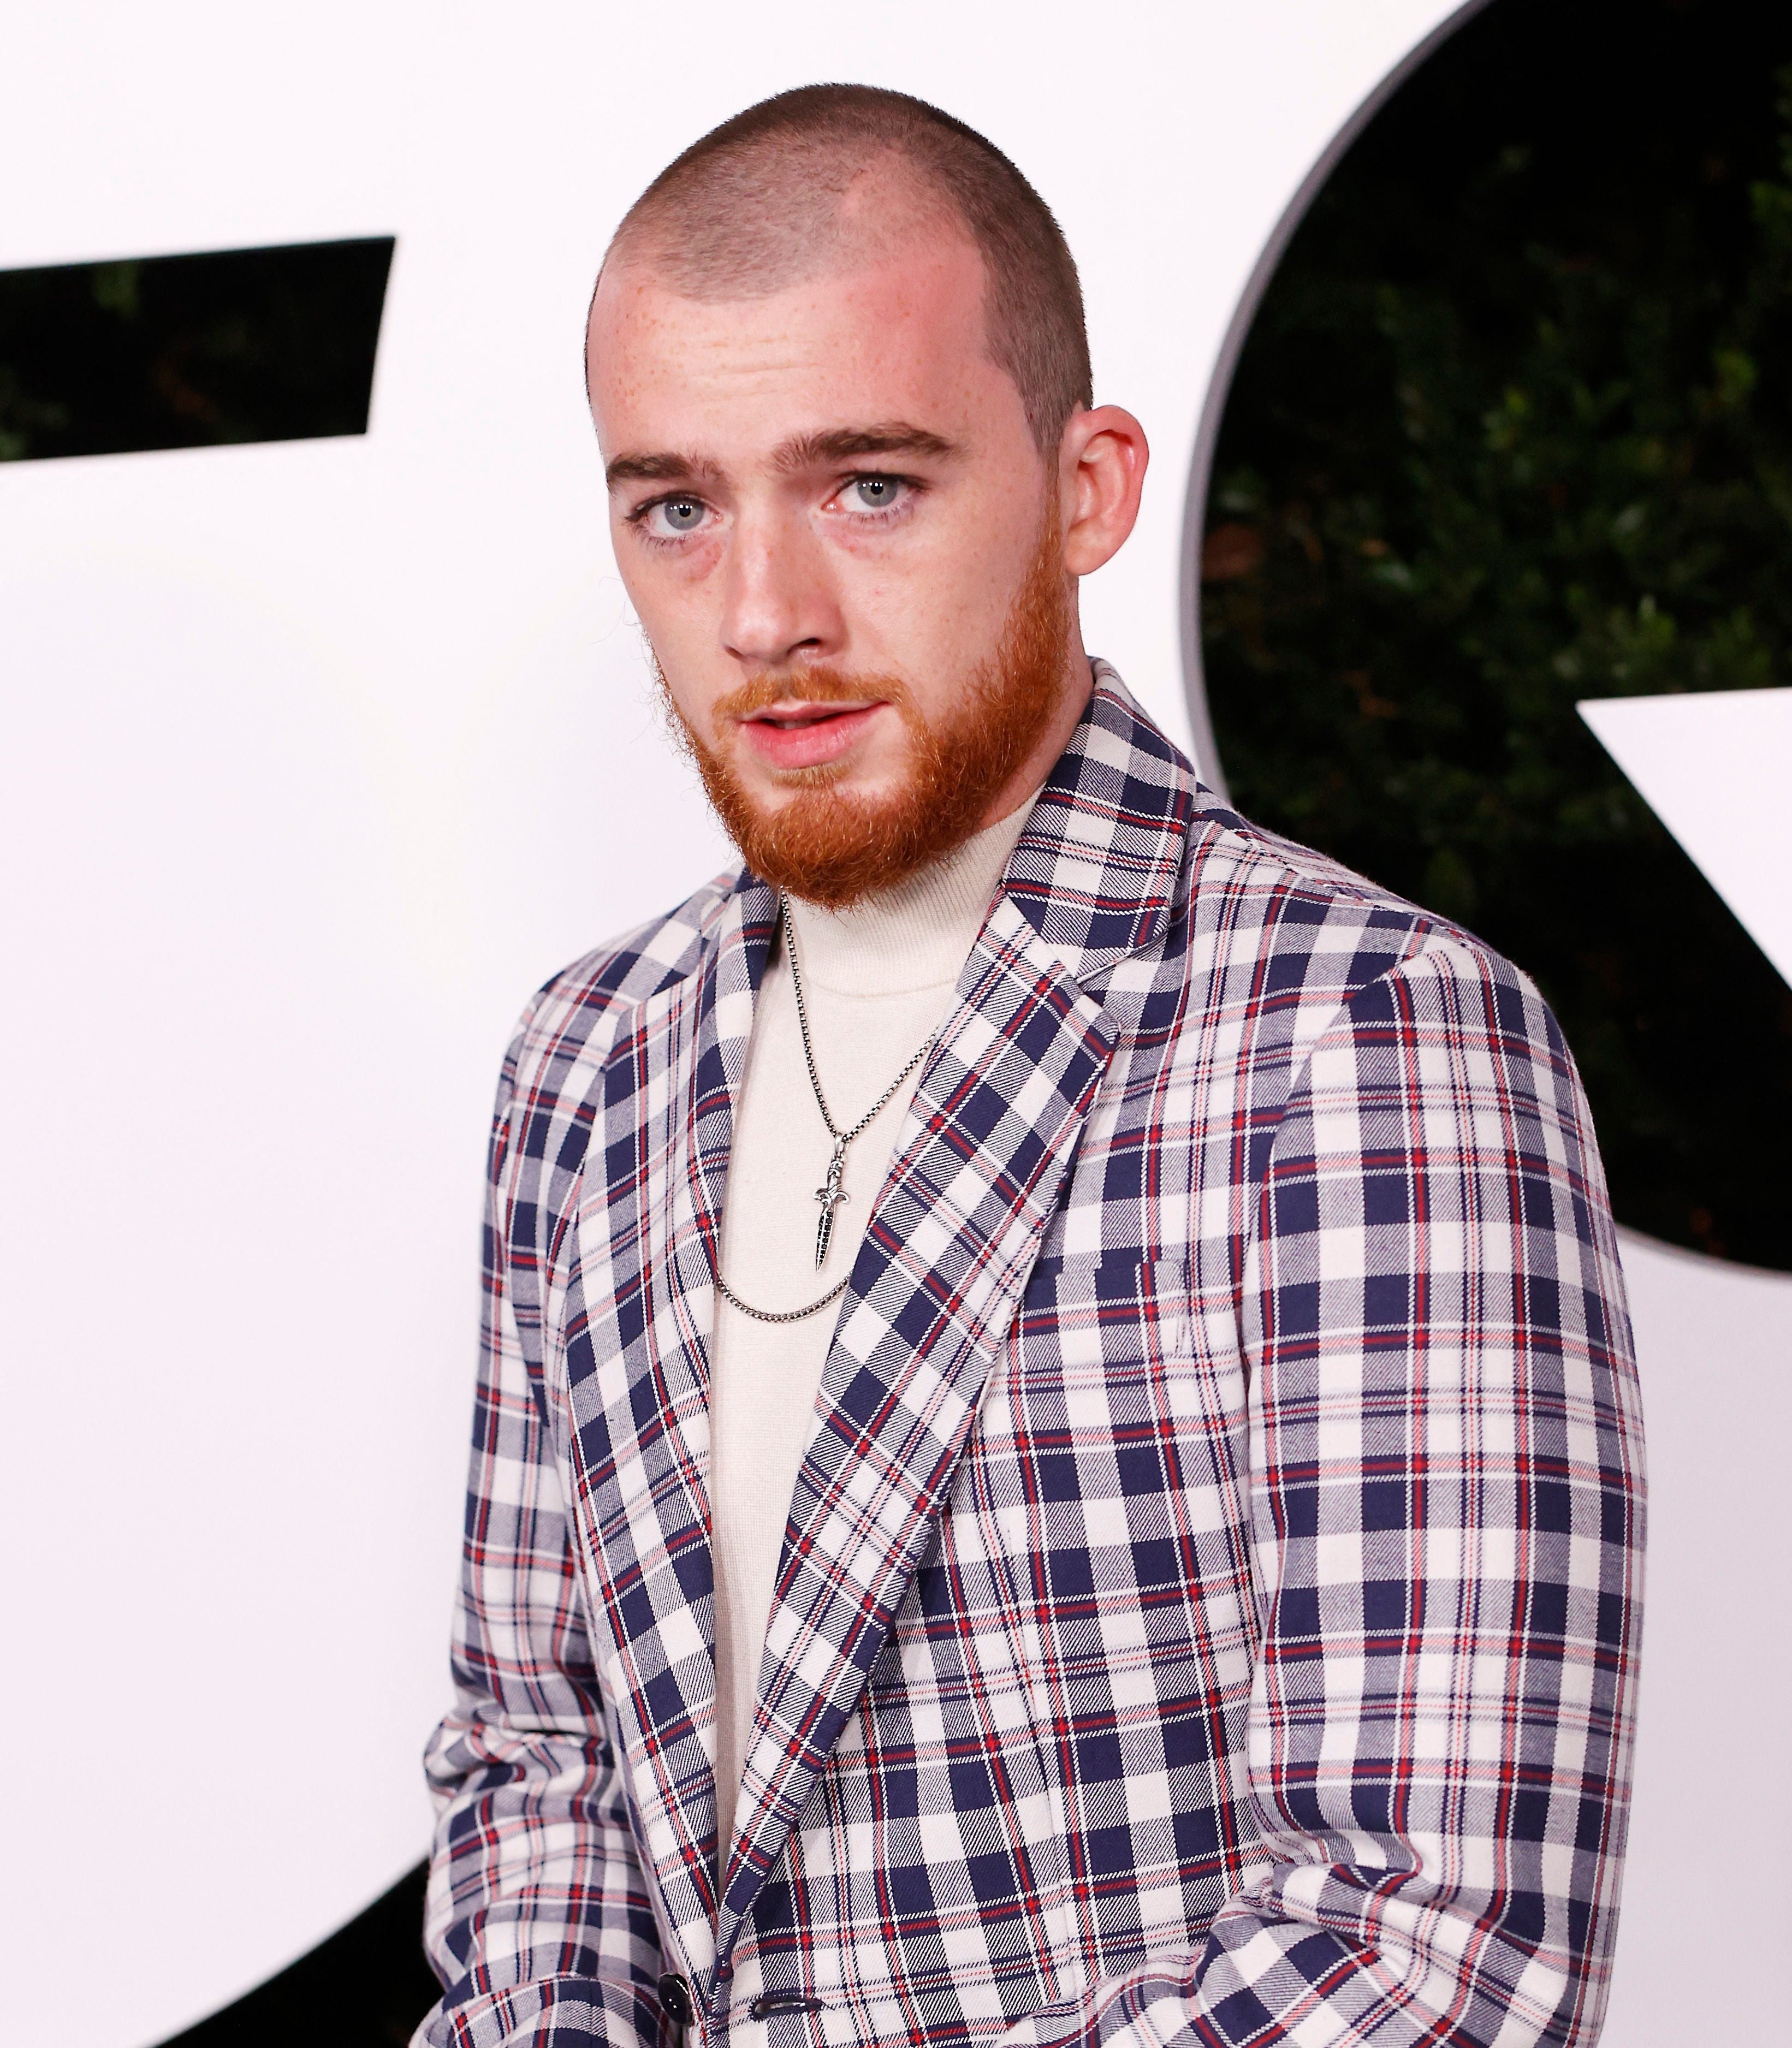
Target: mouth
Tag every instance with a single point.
(796, 735)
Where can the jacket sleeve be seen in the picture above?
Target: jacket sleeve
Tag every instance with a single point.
(537, 1920)
(1447, 1510)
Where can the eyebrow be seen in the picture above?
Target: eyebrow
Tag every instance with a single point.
(843, 443)
(666, 466)
(800, 452)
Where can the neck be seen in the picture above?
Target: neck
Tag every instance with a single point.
(917, 934)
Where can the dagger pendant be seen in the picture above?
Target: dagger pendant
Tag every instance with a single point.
(830, 1196)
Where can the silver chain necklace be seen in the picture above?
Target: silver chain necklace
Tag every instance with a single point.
(831, 1193)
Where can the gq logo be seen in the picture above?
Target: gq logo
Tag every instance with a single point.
(323, 750)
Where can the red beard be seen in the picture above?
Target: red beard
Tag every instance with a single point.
(831, 847)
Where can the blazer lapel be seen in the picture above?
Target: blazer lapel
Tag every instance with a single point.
(639, 1320)
(976, 1174)
(945, 1260)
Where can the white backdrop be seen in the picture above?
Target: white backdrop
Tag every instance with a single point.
(320, 756)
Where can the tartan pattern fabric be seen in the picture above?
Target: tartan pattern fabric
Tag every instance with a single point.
(1209, 1607)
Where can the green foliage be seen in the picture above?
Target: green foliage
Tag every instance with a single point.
(1514, 429)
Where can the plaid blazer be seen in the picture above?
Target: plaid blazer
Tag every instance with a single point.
(1208, 1610)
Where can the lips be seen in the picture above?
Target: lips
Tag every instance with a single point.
(806, 735)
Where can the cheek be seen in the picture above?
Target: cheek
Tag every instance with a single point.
(671, 590)
(942, 602)
(693, 686)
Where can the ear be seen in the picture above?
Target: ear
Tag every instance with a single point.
(1101, 473)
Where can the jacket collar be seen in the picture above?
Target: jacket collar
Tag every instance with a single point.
(974, 1176)
(1095, 872)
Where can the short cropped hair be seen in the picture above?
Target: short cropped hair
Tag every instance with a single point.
(752, 205)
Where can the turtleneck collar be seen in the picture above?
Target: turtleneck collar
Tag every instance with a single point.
(916, 936)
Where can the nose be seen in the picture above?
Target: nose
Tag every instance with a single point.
(779, 603)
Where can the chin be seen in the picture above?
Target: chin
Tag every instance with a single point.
(872, 783)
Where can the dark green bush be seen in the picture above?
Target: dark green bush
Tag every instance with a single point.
(1514, 428)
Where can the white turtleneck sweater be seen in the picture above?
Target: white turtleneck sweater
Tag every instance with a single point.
(877, 980)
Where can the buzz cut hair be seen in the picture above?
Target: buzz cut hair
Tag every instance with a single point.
(757, 204)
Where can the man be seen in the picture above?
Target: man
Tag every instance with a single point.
(1057, 1455)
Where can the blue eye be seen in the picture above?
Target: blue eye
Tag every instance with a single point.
(873, 494)
(682, 515)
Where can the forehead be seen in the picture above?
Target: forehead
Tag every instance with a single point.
(899, 335)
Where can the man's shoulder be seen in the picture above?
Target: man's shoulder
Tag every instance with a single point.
(572, 1020)
(1232, 853)
(1290, 925)
(1316, 924)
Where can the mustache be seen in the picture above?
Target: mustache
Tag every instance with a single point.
(818, 686)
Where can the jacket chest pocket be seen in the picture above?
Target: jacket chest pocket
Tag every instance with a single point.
(1112, 1448)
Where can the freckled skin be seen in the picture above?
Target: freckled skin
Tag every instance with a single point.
(751, 562)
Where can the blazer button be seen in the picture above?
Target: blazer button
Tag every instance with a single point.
(675, 1999)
